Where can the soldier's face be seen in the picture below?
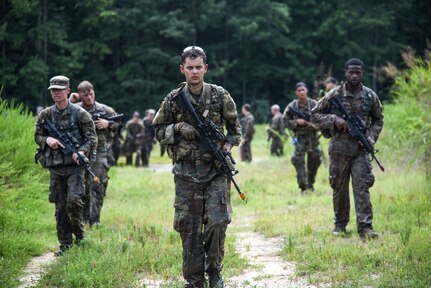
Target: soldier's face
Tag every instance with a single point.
(87, 96)
(354, 75)
(301, 92)
(59, 95)
(329, 86)
(194, 70)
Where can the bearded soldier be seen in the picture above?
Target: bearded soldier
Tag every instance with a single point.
(347, 157)
(201, 213)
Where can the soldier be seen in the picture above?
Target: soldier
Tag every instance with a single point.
(149, 137)
(133, 143)
(306, 138)
(67, 177)
(201, 213)
(95, 192)
(330, 83)
(247, 131)
(347, 158)
(276, 131)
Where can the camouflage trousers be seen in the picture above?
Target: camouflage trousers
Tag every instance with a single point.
(95, 192)
(245, 151)
(277, 147)
(341, 169)
(129, 150)
(146, 149)
(306, 175)
(66, 191)
(201, 218)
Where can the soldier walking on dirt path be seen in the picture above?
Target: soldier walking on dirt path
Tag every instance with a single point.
(67, 183)
(347, 157)
(96, 192)
(296, 117)
(201, 210)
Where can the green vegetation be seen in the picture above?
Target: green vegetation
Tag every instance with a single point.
(26, 217)
(130, 49)
(136, 238)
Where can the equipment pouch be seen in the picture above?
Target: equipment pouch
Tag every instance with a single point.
(53, 195)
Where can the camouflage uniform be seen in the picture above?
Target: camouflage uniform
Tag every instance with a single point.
(147, 141)
(306, 142)
(133, 143)
(247, 131)
(95, 192)
(67, 185)
(201, 214)
(277, 125)
(347, 159)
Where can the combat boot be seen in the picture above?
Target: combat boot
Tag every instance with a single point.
(368, 233)
(216, 281)
(62, 250)
(338, 230)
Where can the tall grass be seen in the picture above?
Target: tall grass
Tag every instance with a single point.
(26, 218)
(408, 127)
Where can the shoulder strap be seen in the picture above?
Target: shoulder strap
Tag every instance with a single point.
(207, 91)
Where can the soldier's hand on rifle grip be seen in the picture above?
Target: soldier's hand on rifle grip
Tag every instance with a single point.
(341, 124)
(75, 157)
(101, 124)
(187, 130)
(53, 143)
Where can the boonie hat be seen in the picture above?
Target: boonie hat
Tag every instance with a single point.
(58, 82)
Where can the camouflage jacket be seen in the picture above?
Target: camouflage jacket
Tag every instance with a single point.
(277, 125)
(103, 135)
(290, 117)
(74, 120)
(364, 103)
(189, 161)
(135, 131)
(149, 132)
(247, 127)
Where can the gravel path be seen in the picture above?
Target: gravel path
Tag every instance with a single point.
(34, 270)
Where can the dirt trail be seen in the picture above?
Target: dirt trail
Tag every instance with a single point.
(269, 269)
(34, 270)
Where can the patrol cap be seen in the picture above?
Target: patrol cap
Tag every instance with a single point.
(59, 82)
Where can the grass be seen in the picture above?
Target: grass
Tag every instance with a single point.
(136, 238)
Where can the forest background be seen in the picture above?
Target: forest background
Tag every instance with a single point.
(257, 49)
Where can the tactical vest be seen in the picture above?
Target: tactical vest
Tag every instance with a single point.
(209, 105)
(66, 124)
(360, 106)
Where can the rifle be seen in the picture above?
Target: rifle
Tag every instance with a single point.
(210, 135)
(104, 115)
(305, 116)
(71, 145)
(356, 130)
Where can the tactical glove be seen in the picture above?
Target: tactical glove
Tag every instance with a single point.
(229, 161)
(187, 130)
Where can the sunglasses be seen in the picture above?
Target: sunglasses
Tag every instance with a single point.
(193, 47)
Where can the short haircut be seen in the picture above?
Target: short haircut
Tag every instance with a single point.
(300, 84)
(246, 107)
(85, 85)
(330, 80)
(193, 53)
(276, 107)
(354, 62)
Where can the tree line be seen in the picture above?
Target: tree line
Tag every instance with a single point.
(257, 49)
